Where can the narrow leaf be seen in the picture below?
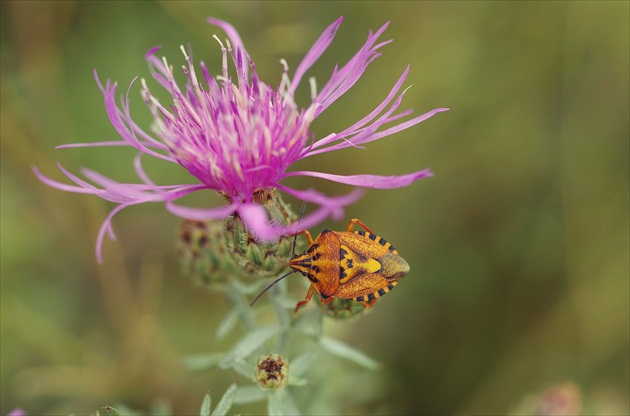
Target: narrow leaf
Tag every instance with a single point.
(339, 349)
(203, 361)
(227, 324)
(248, 344)
(300, 364)
(247, 289)
(205, 405)
(281, 403)
(122, 410)
(250, 394)
(226, 401)
(295, 381)
(112, 411)
(244, 368)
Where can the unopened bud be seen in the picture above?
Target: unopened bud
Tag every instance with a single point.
(203, 252)
(261, 258)
(272, 371)
(341, 309)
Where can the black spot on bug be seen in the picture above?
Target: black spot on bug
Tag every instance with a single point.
(349, 266)
(372, 237)
(371, 296)
(381, 292)
(316, 256)
(342, 273)
(342, 253)
(390, 286)
(361, 233)
(391, 248)
(360, 298)
(382, 241)
(315, 269)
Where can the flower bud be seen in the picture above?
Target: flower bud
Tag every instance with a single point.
(261, 258)
(341, 309)
(272, 371)
(203, 252)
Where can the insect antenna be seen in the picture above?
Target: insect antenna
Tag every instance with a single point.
(292, 253)
(297, 226)
(269, 287)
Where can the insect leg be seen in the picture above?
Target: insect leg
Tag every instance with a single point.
(368, 305)
(308, 236)
(355, 221)
(307, 299)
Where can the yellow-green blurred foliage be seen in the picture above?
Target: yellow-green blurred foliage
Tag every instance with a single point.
(518, 246)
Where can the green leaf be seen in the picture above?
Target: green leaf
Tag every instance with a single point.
(286, 302)
(203, 361)
(121, 410)
(295, 381)
(250, 394)
(248, 344)
(281, 403)
(339, 349)
(244, 368)
(226, 401)
(227, 324)
(205, 405)
(111, 411)
(308, 322)
(300, 364)
(247, 289)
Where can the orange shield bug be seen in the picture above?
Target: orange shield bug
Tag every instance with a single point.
(357, 265)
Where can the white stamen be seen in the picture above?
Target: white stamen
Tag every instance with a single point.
(313, 83)
(285, 81)
(168, 68)
(224, 63)
(237, 167)
(156, 104)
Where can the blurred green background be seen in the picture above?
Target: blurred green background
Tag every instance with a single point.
(518, 246)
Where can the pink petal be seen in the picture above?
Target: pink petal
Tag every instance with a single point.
(346, 77)
(200, 214)
(237, 44)
(106, 228)
(369, 117)
(313, 55)
(59, 185)
(316, 197)
(93, 144)
(256, 221)
(369, 181)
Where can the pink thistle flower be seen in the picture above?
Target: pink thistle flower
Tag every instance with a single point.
(239, 138)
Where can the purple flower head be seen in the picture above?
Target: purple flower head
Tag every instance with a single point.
(240, 137)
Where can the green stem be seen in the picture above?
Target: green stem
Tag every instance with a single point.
(284, 319)
(242, 305)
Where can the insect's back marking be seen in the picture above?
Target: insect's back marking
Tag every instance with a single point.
(377, 294)
(377, 239)
(352, 264)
